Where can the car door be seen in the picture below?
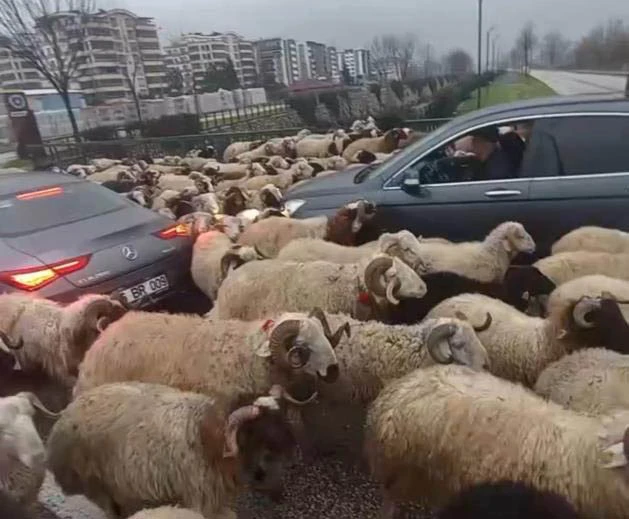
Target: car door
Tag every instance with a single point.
(581, 176)
(458, 208)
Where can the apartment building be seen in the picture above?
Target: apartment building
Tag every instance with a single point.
(194, 53)
(278, 60)
(332, 64)
(18, 74)
(317, 53)
(356, 62)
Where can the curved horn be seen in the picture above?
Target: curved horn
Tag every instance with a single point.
(583, 307)
(393, 287)
(483, 327)
(234, 421)
(438, 334)
(281, 339)
(333, 338)
(318, 313)
(230, 260)
(94, 313)
(336, 338)
(257, 251)
(374, 274)
(37, 403)
(17, 345)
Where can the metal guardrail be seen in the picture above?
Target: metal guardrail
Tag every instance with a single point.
(66, 153)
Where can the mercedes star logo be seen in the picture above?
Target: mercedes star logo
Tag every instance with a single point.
(17, 101)
(129, 252)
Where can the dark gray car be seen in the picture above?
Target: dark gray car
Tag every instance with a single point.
(62, 237)
(573, 170)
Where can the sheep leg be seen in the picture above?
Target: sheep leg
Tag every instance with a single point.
(388, 509)
(305, 443)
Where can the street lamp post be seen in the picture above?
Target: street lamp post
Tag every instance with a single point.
(487, 48)
(480, 47)
(494, 52)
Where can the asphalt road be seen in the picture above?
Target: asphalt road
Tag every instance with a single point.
(572, 83)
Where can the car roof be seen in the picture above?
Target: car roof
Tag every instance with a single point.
(23, 181)
(553, 104)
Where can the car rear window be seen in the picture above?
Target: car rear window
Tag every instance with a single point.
(49, 206)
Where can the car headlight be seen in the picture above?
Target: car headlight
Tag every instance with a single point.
(293, 205)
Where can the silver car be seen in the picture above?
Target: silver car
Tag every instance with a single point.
(61, 237)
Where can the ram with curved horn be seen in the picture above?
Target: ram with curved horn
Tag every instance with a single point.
(235, 359)
(580, 315)
(54, 337)
(21, 449)
(272, 234)
(365, 290)
(187, 448)
(376, 353)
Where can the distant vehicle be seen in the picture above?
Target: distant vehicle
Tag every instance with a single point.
(61, 237)
(574, 171)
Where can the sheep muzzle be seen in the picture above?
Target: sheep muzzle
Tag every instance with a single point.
(439, 334)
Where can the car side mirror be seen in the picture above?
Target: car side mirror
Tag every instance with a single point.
(410, 182)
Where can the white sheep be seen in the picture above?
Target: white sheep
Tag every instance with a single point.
(269, 236)
(103, 164)
(168, 512)
(22, 453)
(284, 178)
(214, 255)
(594, 239)
(374, 354)
(566, 266)
(486, 261)
(593, 381)
(232, 359)
(439, 430)
(519, 346)
(165, 446)
(402, 244)
(262, 288)
(383, 144)
(238, 148)
(54, 338)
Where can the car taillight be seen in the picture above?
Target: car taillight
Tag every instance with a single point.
(174, 231)
(38, 277)
(41, 193)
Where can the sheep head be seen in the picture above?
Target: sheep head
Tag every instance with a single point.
(336, 163)
(261, 439)
(236, 257)
(454, 341)
(301, 354)
(363, 157)
(235, 200)
(271, 196)
(84, 320)
(197, 222)
(390, 278)
(231, 226)
(526, 284)
(125, 175)
(403, 245)
(363, 212)
(514, 238)
(278, 162)
(392, 139)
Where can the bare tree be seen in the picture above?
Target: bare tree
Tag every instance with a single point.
(129, 70)
(526, 43)
(395, 54)
(606, 47)
(554, 49)
(49, 35)
(458, 62)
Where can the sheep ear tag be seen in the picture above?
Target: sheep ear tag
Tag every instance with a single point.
(259, 340)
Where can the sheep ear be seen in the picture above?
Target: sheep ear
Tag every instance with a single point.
(507, 245)
(259, 342)
(614, 456)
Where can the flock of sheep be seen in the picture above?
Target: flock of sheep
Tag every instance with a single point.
(471, 370)
(248, 185)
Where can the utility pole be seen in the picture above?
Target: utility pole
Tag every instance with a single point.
(480, 48)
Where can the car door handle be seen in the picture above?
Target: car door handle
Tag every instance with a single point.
(499, 193)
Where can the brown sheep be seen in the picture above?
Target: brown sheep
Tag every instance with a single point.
(385, 144)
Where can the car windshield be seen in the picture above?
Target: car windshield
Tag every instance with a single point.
(50, 206)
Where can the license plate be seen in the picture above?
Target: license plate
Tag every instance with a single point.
(152, 286)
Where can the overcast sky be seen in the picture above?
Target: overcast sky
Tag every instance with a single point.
(353, 23)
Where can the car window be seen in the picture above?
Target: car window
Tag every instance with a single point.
(51, 206)
(579, 145)
(491, 153)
